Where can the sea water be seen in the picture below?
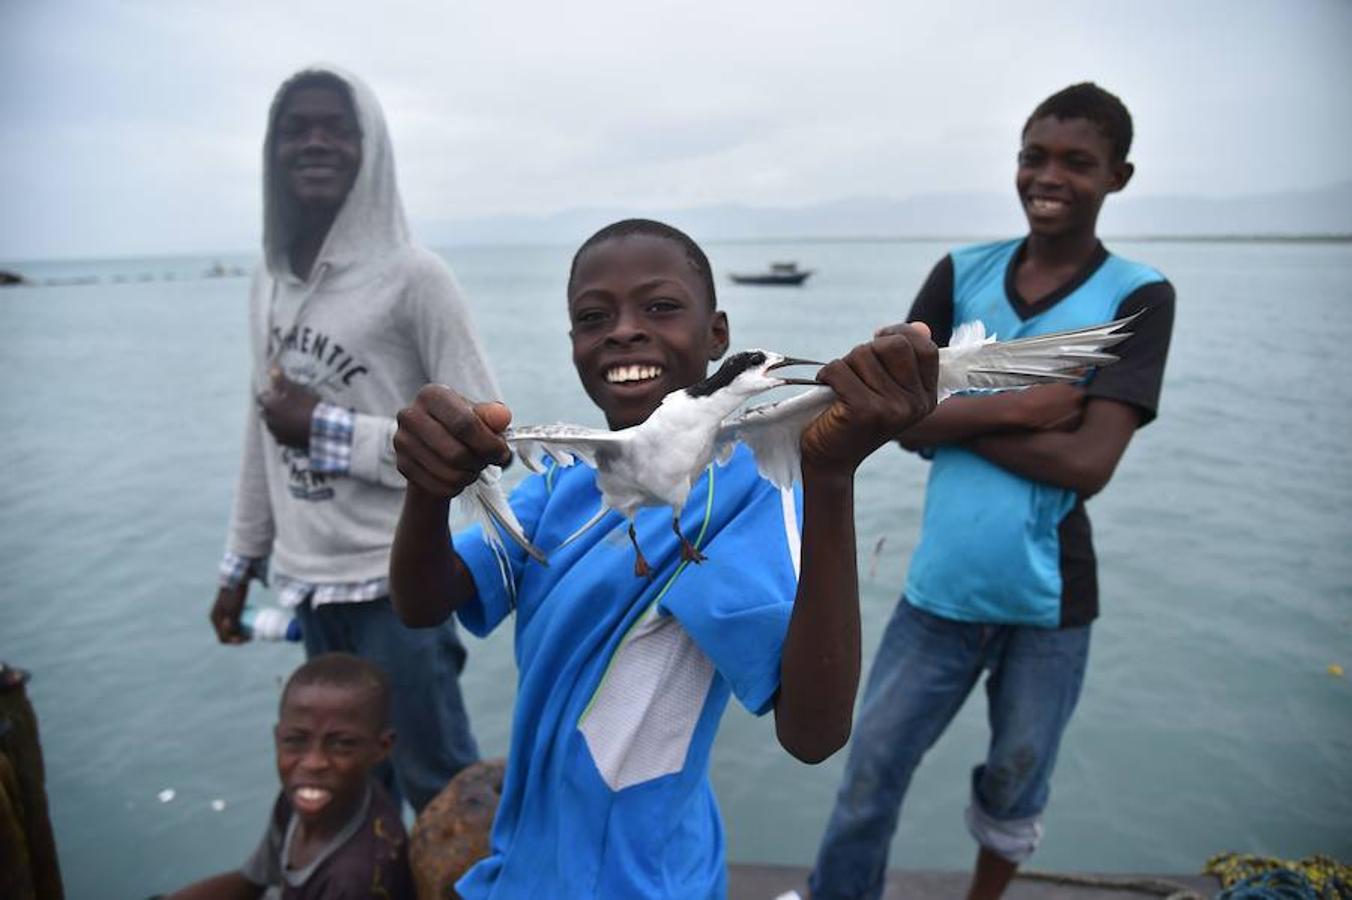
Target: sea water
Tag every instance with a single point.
(1209, 720)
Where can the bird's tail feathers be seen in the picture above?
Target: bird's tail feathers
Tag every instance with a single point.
(487, 506)
(585, 526)
(975, 360)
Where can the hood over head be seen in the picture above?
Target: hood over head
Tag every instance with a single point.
(370, 222)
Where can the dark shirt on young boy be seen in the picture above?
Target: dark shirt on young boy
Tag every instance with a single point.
(367, 858)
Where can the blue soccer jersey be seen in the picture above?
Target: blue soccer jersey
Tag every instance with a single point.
(995, 546)
(623, 680)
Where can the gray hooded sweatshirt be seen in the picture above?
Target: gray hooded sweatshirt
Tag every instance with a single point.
(378, 318)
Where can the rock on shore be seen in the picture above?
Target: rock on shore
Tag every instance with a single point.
(451, 833)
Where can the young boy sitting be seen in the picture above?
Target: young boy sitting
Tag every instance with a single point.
(623, 679)
(334, 832)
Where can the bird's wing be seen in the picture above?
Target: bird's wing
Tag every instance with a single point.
(772, 432)
(974, 360)
(561, 442)
(484, 503)
(565, 444)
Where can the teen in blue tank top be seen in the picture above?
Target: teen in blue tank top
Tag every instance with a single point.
(1003, 580)
(622, 678)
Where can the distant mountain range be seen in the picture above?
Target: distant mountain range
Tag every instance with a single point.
(1324, 212)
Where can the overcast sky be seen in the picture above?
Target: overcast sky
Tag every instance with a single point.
(135, 127)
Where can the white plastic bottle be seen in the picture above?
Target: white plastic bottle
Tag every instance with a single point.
(268, 623)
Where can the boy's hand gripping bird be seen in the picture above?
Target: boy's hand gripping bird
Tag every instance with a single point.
(656, 462)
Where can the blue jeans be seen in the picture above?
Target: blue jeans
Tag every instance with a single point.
(432, 736)
(925, 668)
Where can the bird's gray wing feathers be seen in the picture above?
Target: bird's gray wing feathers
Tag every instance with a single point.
(484, 503)
(488, 507)
(772, 432)
(561, 442)
(585, 526)
(565, 444)
(974, 360)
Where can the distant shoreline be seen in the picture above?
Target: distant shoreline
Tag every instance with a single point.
(1239, 238)
(956, 239)
(1340, 238)
(947, 239)
(968, 238)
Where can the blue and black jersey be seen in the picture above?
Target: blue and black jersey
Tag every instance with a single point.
(997, 547)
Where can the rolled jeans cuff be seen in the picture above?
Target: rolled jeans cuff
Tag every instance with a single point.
(1013, 839)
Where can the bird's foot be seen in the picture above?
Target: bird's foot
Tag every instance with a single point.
(690, 553)
(641, 567)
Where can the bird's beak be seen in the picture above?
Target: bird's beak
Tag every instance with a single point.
(791, 361)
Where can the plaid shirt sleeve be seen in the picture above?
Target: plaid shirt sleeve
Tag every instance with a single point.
(236, 569)
(331, 439)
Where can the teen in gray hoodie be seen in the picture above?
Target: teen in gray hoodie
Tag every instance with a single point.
(348, 319)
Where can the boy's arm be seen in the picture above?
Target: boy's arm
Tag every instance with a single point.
(1082, 460)
(442, 445)
(1044, 407)
(226, 886)
(252, 527)
(881, 388)
(250, 532)
(933, 303)
(339, 441)
(1120, 398)
(428, 579)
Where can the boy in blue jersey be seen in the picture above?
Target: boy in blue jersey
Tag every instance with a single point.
(1003, 579)
(623, 679)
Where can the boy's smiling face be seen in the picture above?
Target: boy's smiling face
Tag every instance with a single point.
(1066, 168)
(317, 145)
(328, 740)
(642, 325)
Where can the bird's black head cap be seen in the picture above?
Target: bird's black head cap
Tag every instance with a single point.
(732, 367)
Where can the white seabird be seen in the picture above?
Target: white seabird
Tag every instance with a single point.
(656, 462)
